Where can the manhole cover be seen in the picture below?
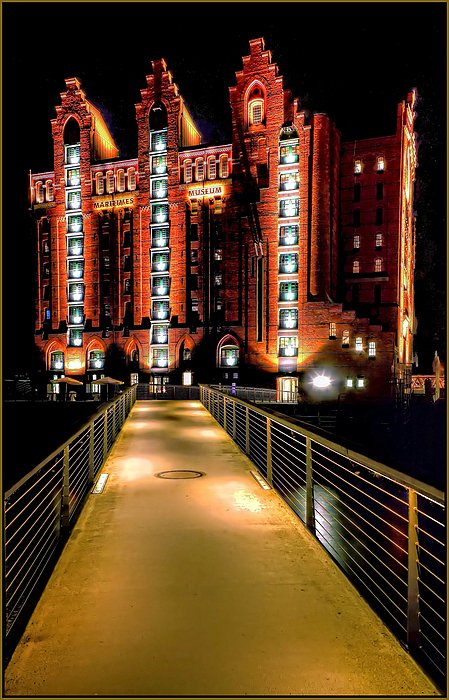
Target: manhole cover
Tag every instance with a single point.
(180, 474)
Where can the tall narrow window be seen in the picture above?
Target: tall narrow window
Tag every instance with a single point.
(109, 181)
(359, 343)
(224, 167)
(345, 338)
(379, 215)
(357, 167)
(255, 112)
(378, 265)
(356, 241)
(372, 348)
(378, 240)
(380, 164)
(131, 178)
(39, 188)
(356, 266)
(357, 192)
(332, 330)
(187, 171)
(211, 168)
(356, 217)
(380, 190)
(120, 180)
(99, 183)
(199, 169)
(49, 190)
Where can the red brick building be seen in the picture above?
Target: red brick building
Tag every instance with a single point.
(284, 258)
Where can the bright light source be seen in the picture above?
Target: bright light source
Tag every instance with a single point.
(99, 486)
(187, 378)
(321, 381)
(74, 364)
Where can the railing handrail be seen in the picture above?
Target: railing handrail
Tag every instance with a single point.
(389, 472)
(102, 409)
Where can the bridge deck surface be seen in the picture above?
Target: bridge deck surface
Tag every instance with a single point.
(206, 586)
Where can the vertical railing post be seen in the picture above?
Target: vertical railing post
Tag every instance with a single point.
(269, 463)
(247, 431)
(234, 419)
(413, 631)
(91, 453)
(114, 411)
(309, 485)
(65, 509)
(224, 414)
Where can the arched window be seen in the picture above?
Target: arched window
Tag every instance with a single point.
(49, 190)
(199, 169)
(187, 171)
(211, 168)
(39, 192)
(229, 356)
(224, 165)
(158, 116)
(71, 132)
(120, 180)
(131, 179)
(99, 183)
(256, 106)
(109, 181)
(57, 360)
(356, 266)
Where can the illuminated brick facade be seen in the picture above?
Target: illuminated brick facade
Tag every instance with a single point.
(265, 260)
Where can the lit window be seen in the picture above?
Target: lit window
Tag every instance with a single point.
(127, 287)
(161, 286)
(39, 192)
(288, 235)
(289, 207)
(345, 338)
(356, 242)
(289, 154)
(159, 238)
(360, 382)
(288, 291)
(49, 190)
(57, 360)
(289, 181)
(211, 168)
(96, 359)
(229, 356)
(160, 310)
(194, 304)
(372, 348)
(199, 169)
(218, 279)
(75, 337)
(160, 334)
(131, 178)
(288, 346)
(75, 223)
(72, 154)
(224, 166)
(120, 180)
(75, 269)
(288, 263)
(160, 262)
(378, 265)
(356, 267)
(378, 240)
(357, 167)
(218, 254)
(349, 382)
(159, 141)
(159, 213)
(160, 357)
(255, 112)
(332, 330)
(76, 315)
(109, 181)
(73, 177)
(76, 292)
(359, 344)
(99, 183)
(74, 199)
(288, 318)
(380, 164)
(188, 171)
(159, 189)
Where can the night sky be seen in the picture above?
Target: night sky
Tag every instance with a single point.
(355, 61)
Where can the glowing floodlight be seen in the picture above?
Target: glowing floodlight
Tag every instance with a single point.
(321, 381)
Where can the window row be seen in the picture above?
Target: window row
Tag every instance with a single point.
(44, 193)
(199, 169)
(378, 241)
(378, 266)
(112, 182)
(358, 191)
(356, 220)
(359, 165)
(95, 360)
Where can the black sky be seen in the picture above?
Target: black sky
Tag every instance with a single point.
(355, 61)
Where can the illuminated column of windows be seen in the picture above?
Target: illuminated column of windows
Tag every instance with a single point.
(75, 245)
(160, 252)
(288, 253)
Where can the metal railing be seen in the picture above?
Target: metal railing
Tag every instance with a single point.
(385, 530)
(41, 507)
(167, 392)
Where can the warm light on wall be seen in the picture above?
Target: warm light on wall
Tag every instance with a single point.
(321, 381)
(74, 364)
(187, 378)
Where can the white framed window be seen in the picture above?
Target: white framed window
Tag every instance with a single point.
(356, 241)
(332, 330)
(289, 154)
(187, 171)
(120, 180)
(109, 181)
(379, 240)
(229, 356)
(256, 112)
(359, 343)
(349, 382)
(289, 181)
(288, 318)
(199, 169)
(72, 154)
(378, 264)
(360, 382)
(356, 266)
(380, 164)
(131, 178)
(99, 183)
(74, 199)
(39, 189)
(345, 338)
(371, 348)
(49, 191)
(57, 360)
(357, 167)
(211, 168)
(288, 346)
(224, 165)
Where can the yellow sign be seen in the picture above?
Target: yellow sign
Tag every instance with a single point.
(205, 191)
(113, 202)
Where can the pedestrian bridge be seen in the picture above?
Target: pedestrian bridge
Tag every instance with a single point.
(184, 576)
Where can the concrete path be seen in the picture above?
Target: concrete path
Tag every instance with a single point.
(206, 586)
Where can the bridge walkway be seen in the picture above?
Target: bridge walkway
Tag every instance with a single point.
(199, 586)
